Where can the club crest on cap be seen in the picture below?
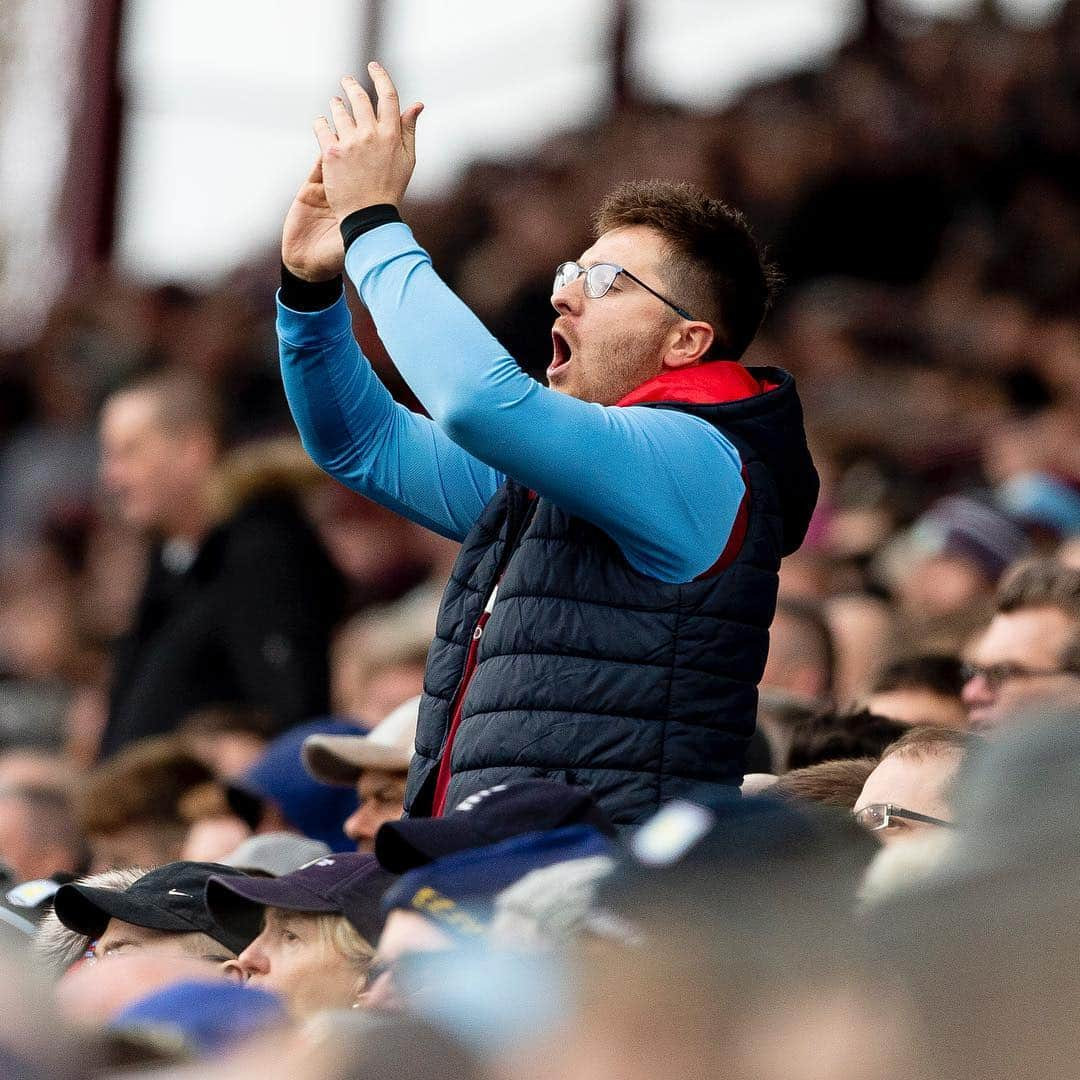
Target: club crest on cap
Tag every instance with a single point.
(473, 801)
(321, 861)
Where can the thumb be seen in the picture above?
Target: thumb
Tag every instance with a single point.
(315, 176)
(408, 127)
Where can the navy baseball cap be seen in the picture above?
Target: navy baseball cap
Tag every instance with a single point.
(488, 817)
(458, 892)
(279, 777)
(168, 898)
(350, 884)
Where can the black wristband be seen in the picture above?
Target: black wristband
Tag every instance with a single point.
(362, 221)
(300, 295)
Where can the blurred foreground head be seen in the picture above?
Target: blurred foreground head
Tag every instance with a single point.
(751, 962)
(987, 943)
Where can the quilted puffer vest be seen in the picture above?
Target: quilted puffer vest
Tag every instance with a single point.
(592, 673)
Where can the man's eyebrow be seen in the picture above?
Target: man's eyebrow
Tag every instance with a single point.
(119, 943)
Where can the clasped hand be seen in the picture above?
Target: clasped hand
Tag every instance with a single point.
(366, 158)
(369, 155)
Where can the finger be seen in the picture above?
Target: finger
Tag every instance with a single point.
(343, 120)
(389, 107)
(408, 128)
(315, 176)
(324, 134)
(359, 100)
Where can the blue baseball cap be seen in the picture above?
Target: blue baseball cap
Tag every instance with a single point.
(279, 776)
(200, 1016)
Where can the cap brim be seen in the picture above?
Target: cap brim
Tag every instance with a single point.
(339, 759)
(412, 842)
(88, 910)
(238, 905)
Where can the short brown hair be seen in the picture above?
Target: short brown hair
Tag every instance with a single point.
(831, 783)
(142, 785)
(926, 741)
(715, 269)
(1045, 583)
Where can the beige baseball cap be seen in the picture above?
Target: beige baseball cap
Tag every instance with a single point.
(339, 759)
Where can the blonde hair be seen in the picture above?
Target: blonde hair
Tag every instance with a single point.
(338, 934)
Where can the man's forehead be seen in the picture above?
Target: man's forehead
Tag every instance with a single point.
(134, 932)
(1033, 636)
(637, 247)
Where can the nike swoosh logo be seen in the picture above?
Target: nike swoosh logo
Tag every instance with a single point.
(177, 892)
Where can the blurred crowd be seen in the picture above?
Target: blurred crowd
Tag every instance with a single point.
(210, 652)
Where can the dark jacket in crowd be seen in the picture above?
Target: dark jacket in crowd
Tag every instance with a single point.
(589, 672)
(247, 623)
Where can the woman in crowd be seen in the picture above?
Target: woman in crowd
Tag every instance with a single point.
(314, 929)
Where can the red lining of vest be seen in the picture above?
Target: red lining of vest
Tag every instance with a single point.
(713, 383)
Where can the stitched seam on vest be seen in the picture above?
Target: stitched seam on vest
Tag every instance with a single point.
(712, 673)
(608, 716)
(675, 613)
(577, 767)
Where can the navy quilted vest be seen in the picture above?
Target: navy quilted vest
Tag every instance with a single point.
(590, 672)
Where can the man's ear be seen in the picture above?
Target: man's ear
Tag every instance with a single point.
(690, 342)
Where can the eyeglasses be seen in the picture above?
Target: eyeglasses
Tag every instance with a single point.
(600, 277)
(997, 675)
(878, 816)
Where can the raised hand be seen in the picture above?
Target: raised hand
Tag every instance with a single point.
(311, 245)
(370, 158)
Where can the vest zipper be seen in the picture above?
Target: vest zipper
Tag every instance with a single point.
(442, 779)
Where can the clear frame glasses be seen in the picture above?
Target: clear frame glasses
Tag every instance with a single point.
(601, 276)
(878, 816)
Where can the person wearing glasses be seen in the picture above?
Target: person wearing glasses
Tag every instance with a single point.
(1027, 663)
(908, 794)
(607, 620)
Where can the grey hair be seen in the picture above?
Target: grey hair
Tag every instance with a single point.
(57, 947)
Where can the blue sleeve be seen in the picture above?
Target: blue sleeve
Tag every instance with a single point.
(353, 428)
(664, 485)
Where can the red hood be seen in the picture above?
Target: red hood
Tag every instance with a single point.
(704, 384)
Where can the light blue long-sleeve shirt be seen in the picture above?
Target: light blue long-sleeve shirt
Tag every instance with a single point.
(664, 485)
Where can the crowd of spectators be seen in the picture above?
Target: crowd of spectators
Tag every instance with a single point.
(210, 653)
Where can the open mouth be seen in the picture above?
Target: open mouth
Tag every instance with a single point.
(561, 352)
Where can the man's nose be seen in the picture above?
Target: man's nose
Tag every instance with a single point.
(568, 299)
(976, 691)
(357, 827)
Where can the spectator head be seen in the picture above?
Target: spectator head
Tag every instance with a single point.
(910, 791)
(1028, 660)
(921, 690)
(710, 262)
(277, 794)
(312, 931)
(831, 736)
(695, 287)
(160, 438)
(227, 738)
(800, 659)
(376, 764)
(831, 783)
(163, 911)
(275, 854)
(39, 835)
(58, 946)
(129, 806)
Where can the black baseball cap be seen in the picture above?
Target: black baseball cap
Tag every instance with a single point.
(350, 884)
(170, 897)
(494, 814)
